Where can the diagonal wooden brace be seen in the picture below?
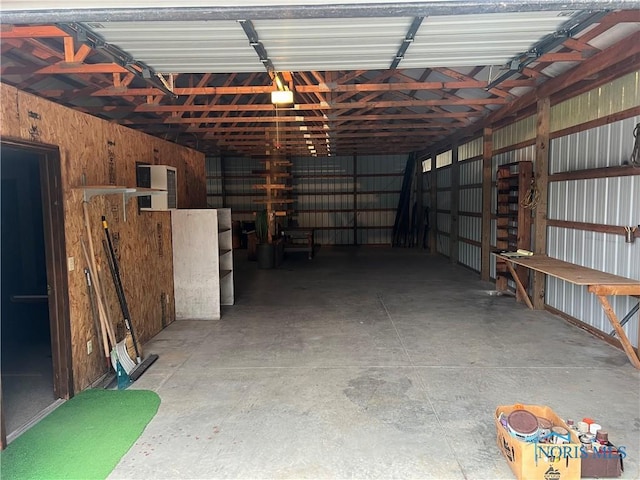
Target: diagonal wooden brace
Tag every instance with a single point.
(519, 286)
(615, 323)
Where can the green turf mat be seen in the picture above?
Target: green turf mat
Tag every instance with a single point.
(84, 438)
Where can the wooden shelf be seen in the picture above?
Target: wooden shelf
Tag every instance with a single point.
(514, 231)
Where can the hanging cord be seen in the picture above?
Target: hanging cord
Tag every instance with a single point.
(635, 154)
(532, 196)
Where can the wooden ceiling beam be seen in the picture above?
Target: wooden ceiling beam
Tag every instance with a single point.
(33, 31)
(301, 118)
(269, 108)
(318, 89)
(577, 45)
(64, 68)
(561, 57)
(372, 128)
(344, 77)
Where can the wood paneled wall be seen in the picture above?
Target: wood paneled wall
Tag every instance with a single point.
(97, 152)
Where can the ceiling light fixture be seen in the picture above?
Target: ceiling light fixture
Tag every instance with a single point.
(282, 97)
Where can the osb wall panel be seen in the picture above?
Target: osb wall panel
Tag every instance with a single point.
(96, 152)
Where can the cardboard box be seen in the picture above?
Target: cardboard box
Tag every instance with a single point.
(539, 461)
(602, 467)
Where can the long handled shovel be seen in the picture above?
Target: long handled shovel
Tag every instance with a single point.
(108, 334)
(92, 304)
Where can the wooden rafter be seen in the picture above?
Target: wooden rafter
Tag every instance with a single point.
(362, 111)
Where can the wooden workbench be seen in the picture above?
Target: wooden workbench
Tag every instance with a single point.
(601, 284)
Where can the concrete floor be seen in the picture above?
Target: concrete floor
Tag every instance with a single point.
(368, 363)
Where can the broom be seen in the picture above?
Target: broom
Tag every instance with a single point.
(132, 350)
(141, 366)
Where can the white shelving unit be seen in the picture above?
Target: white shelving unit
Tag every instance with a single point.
(225, 247)
(196, 264)
(202, 262)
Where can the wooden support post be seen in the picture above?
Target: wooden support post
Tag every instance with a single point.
(355, 200)
(433, 215)
(487, 193)
(615, 323)
(542, 181)
(455, 202)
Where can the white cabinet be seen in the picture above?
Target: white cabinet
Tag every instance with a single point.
(159, 177)
(202, 262)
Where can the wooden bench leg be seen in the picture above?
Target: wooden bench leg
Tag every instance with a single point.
(519, 286)
(615, 323)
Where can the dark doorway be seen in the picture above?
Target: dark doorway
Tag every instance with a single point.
(30, 324)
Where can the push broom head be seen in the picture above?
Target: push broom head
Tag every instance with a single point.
(131, 350)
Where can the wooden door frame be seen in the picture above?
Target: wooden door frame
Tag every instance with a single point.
(56, 262)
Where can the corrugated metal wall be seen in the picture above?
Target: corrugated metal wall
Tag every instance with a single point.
(214, 182)
(379, 185)
(324, 197)
(599, 147)
(606, 201)
(470, 206)
(515, 133)
(621, 94)
(443, 203)
(470, 149)
(324, 189)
